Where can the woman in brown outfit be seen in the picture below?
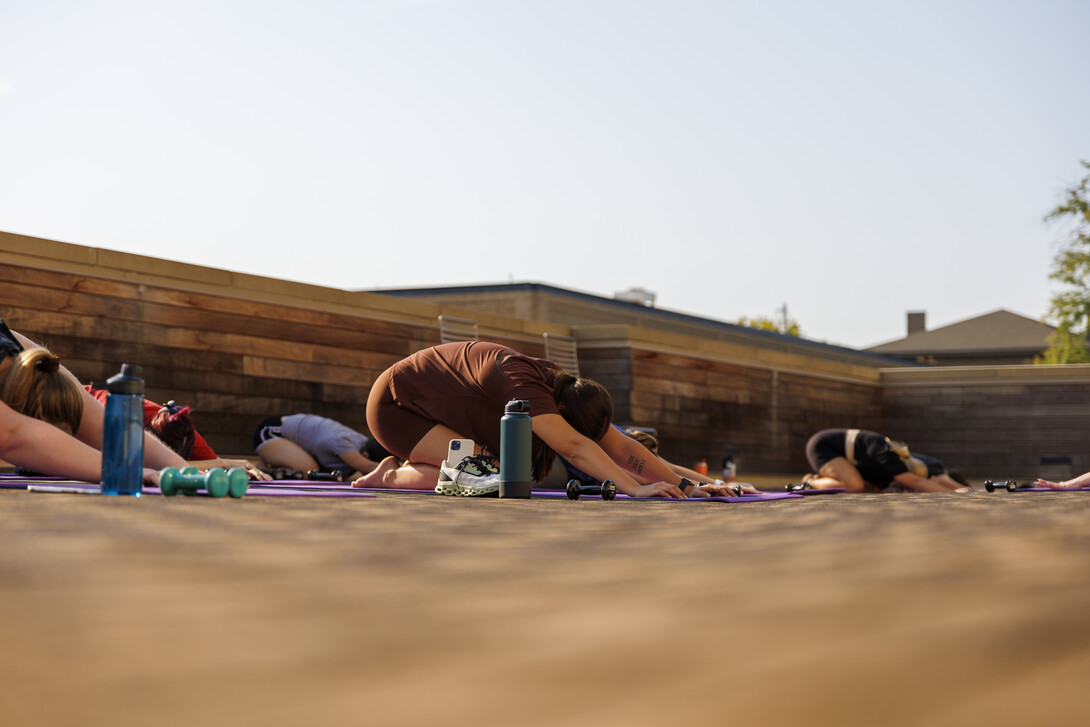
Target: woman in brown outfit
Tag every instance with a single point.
(459, 390)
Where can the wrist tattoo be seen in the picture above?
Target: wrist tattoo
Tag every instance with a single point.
(637, 464)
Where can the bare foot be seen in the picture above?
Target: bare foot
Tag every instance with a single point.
(377, 476)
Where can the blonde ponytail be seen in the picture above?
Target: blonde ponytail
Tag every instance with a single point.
(34, 385)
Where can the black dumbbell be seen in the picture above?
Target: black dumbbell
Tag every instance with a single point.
(576, 489)
(993, 485)
(318, 475)
(283, 473)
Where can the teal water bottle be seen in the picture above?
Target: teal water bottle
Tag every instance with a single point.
(515, 458)
(123, 433)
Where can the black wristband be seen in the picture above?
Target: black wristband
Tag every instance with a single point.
(685, 484)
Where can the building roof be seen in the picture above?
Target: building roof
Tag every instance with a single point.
(1000, 331)
(650, 316)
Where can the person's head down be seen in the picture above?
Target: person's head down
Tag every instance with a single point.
(585, 405)
(174, 427)
(33, 384)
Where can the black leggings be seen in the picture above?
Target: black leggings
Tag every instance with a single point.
(825, 446)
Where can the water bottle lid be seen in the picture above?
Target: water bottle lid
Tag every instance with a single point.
(129, 381)
(517, 406)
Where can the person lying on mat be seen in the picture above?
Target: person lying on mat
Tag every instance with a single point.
(459, 391)
(40, 409)
(33, 383)
(172, 425)
(309, 442)
(862, 461)
(1075, 483)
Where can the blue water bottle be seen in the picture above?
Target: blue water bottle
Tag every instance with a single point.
(515, 457)
(123, 435)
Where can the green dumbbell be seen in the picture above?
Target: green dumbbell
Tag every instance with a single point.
(216, 481)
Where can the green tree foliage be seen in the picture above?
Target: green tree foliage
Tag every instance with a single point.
(763, 323)
(1070, 307)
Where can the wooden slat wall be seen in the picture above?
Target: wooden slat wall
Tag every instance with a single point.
(238, 348)
(993, 421)
(235, 360)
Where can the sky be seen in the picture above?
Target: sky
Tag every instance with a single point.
(851, 160)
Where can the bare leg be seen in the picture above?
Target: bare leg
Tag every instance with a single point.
(421, 471)
(839, 472)
(285, 453)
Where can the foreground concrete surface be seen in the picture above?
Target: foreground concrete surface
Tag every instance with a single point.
(420, 610)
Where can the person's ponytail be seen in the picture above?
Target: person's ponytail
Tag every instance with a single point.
(35, 385)
(585, 405)
(174, 427)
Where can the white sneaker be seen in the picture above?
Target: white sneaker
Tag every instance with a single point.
(474, 476)
(447, 484)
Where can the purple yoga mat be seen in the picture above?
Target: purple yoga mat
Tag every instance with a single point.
(562, 495)
(826, 491)
(763, 497)
(305, 485)
(262, 491)
(1048, 489)
(253, 491)
(9, 484)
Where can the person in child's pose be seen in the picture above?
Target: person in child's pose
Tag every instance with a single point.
(863, 461)
(42, 406)
(459, 390)
(309, 442)
(171, 424)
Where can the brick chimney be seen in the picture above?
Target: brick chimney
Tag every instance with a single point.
(917, 321)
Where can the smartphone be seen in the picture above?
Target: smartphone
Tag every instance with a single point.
(458, 450)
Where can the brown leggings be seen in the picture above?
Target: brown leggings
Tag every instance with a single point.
(397, 429)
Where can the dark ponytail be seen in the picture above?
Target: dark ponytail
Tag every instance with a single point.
(585, 405)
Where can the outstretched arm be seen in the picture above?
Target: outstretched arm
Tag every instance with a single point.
(42, 447)
(648, 467)
(587, 456)
(712, 486)
(252, 470)
(1074, 483)
(355, 459)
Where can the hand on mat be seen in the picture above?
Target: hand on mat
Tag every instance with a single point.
(1051, 485)
(746, 488)
(726, 489)
(660, 489)
(151, 477)
(256, 473)
(252, 471)
(717, 489)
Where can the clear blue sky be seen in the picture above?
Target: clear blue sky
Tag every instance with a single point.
(852, 159)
